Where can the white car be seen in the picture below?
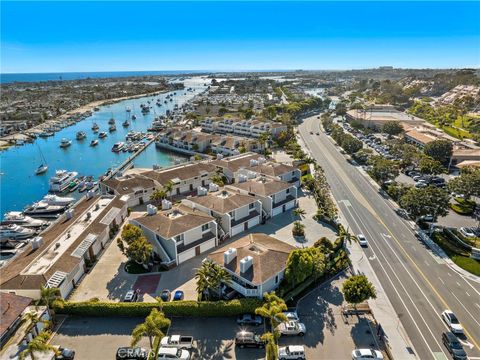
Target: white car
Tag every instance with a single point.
(291, 315)
(173, 353)
(291, 352)
(452, 322)
(468, 232)
(362, 240)
(292, 328)
(366, 354)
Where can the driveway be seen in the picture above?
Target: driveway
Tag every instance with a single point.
(96, 338)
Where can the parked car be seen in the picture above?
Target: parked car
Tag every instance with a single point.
(426, 218)
(362, 240)
(318, 133)
(65, 354)
(402, 212)
(245, 339)
(452, 322)
(291, 352)
(291, 315)
(311, 132)
(178, 341)
(165, 295)
(131, 296)
(467, 232)
(421, 185)
(292, 328)
(179, 295)
(249, 319)
(132, 353)
(165, 353)
(366, 354)
(453, 346)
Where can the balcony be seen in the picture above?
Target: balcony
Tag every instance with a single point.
(284, 201)
(206, 237)
(250, 216)
(244, 291)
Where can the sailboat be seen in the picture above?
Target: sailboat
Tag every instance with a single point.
(42, 168)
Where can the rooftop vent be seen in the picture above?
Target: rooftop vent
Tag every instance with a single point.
(246, 263)
(229, 255)
(253, 162)
(151, 209)
(261, 160)
(201, 191)
(37, 242)
(219, 156)
(212, 187)
(242, 178)
(166, 205)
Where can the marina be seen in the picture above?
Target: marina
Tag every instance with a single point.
(24, 182)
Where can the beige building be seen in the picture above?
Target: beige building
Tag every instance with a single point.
(378, 116)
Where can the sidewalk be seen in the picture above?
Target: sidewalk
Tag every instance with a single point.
(396, 337)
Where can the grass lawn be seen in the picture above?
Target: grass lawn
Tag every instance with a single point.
(458, 256)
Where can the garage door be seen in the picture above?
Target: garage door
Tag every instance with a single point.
(237, 229)
(184, 256)
(276, 211)
(290, 205)
(253, 222)
(207, 245)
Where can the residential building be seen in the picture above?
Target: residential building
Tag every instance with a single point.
(137, 187)
(234, 212)
(248, 128)
(465, 156)
(59, 258)
(255, 262)
(276, 196)
(177, 233)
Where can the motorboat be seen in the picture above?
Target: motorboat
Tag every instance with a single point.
(111, 121)
(118, 146)
(128, 109)
(134, 117)
(112, 128)
(43, 210)
(94, 142)
(95, 127)
(126, 123)
(42, 168)
(64, 143)
(13, 231)
(52, 199)
(81, 135)
(74, 183)
(18, 218)
(102, 135)
(61, 180)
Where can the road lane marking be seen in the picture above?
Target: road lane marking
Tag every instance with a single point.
(439, 278)
(448, 273)
(469, 313)
(466, 292)
(458, 284)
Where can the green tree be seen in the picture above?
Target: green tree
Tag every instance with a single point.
(130, 233)
(299, 212)
(302, 263)
(152, 328)
(324, 244)
(341, 109)
(357, 289)
(210, 277)
(139, 250)
(467, 183)
(39, 344)
(428, 165)
(440, 150)
(427, 201)
(271, 347)
(168, 188)
(158, 195)
(298, 229)
(383, 169)
(47, 296)
(272, 310)
(350, 144)
(392, 128)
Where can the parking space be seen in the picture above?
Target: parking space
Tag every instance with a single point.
(96, 338)
(215, 338)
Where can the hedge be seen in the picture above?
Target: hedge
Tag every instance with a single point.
(142, 309)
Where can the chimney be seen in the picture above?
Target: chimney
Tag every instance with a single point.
(69, 213)
(245, 264)
(201, 191)
(253, 162)
(166, 204)
(212, 187)
(261, 160)
(242, 178)
(251, 175)
(219, 156)
(229, 255)
(151, 209)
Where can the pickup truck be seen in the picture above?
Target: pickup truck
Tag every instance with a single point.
(177, 341)
(292, 328)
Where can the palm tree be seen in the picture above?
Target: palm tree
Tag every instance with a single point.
(152, 327)
(158, 195)
(47, 296)
(33, 318)
(168, 188)
(210, 277)
(271, 348)
(264, 137)
(299, 212)
(38, 344)
(298, 229)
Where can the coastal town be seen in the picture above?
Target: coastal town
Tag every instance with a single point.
(250, 223)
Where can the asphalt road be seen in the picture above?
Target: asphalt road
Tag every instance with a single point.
(419, 284)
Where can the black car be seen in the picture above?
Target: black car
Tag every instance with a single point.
(245, 339)
(249, 319)
(165, 295)
(453, 346)
(65, 354)
(131, 353)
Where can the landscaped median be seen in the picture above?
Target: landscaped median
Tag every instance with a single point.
(142, 309)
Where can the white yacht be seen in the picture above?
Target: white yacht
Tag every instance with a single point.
(58, 200)
(118, 146)
(14, 231)
(61, 180)
(42, 168)
(18, 218)
(43, 210)
(64, 143)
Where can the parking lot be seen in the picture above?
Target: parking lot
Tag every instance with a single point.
(96, 338)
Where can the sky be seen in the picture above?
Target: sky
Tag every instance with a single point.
(128, 36)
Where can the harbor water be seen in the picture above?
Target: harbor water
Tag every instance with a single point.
(19, 186)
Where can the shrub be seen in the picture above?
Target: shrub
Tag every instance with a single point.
(176, 308)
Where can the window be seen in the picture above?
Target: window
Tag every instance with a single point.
(251, 206)
(205, 227)
(232, 215)
(179, 239)
(288, 191)
(276, 279)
